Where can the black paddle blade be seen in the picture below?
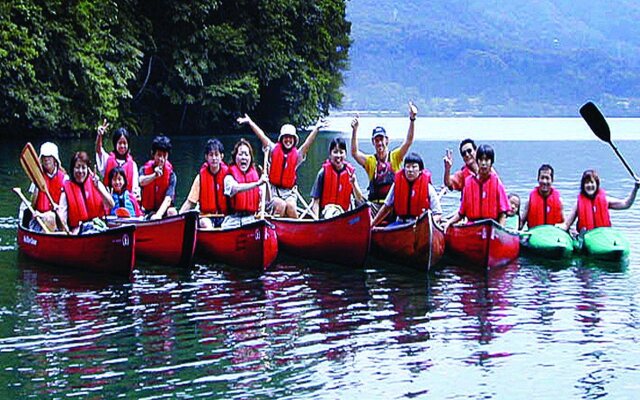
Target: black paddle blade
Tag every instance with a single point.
(596, 121)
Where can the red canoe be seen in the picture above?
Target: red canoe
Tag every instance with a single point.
(483, 243)
(254, 245)
(418, 244)
(167, 241)
(111, 251)
(343, 239)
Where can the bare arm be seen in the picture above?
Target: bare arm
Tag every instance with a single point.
(357, 155)
(454, 220)
(502, 219)
(618, 204)
(315, 206)
(408, 141)
(448, 162)
(525, 215)
(570, 218)
(163, 208)
(312, 137)
(266, 142)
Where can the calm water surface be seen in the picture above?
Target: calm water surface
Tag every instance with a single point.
(308, 330)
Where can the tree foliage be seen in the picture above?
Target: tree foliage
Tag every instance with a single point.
(165, 65)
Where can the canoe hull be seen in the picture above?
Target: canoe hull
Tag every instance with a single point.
(483, 244)
(547, 241)
(112, 251)
(420, 244)
(252, 246)
(344, 239)
(606, 244)
(167, 241)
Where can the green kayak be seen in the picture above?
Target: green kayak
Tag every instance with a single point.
(547, 241)
(603, 244)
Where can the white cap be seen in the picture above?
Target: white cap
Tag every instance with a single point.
(49, 149)
(288, 129)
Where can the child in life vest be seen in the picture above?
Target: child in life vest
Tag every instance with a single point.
(120, 156)
(85, 197)
(158, 181)
(593, 205)
(207, 189)
(411, 194)
(285, 158)
(545, 205)
(336, 185)
(513, 215)
(126, 205)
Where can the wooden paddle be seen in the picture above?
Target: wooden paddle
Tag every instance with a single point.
(33, 212)
(31, 165)
(598, 124)
(263, 193)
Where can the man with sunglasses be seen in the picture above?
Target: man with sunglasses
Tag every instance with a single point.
(468, 153)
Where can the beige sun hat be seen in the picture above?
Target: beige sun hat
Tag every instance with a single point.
(49, 149)
(288, 129)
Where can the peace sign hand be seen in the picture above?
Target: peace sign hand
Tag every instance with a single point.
(102, 129)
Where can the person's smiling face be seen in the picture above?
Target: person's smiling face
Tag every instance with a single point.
(243, 158)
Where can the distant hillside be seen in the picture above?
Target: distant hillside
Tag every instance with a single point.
(505, 58)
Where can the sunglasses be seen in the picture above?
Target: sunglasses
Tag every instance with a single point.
(465, 152)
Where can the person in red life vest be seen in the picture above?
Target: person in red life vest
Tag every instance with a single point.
(484, 195)
(120, 156)
(207, 189)
(382, 166)
(242, 186)
(592, 207)
(468, 153)
(85, 197)
(285, 158)
(336, 183)
(411, 194)
(158, 181)
(545, 205)
(126, 205)
(54, 176)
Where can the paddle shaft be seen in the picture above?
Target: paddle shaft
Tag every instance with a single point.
(263, 193)
(624, 162)
(33, 212)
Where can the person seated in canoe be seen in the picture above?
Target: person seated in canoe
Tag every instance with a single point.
(468, 153)
(85, 197)
(242, 186)
(126, 205)
(592, 208)
(120, 156)
(285, 158)
(545, 205)
(158, 181)
(484, 195)
(411, 194)
(54, 176)
(336, 183)
(382, 166)
(513, 215)
(207, 189)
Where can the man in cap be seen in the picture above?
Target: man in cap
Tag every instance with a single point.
(285, 158)
(382, 166)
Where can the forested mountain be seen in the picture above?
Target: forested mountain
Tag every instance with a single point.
(481, 57)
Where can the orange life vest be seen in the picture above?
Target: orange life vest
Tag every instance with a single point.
(212, 198)
(544, 210)
(84, 202)
(247, 201)
(154, 193)
(283, 166)
(593, 213)
(54, 184)
(336, 186)
(411, 198)
(112, 162)
(481, 199)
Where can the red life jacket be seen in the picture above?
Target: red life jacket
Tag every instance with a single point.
(481, 199)
(84, 202)
(54, 184)
(154, 193)
(283, 166)
(411, 198)
(593, 213)
(247, 201)
(212, 198)
(112, 162)
(336, 186)
(382, 180)
(544, 210)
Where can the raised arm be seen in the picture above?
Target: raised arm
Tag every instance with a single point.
(102, 129)
(357, 155)
(619, 204)
(312, 137)
(408, 141)
(266, 142)
(448, 163)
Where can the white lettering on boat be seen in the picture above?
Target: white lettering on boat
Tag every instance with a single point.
(125, 240)
(30, 240)
(256, 234)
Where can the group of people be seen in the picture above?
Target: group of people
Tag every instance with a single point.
(230, 195)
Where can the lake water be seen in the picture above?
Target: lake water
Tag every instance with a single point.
(308, 330)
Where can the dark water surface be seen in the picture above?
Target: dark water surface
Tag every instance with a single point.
(308, 330)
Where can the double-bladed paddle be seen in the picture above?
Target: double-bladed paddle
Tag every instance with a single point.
(598, 124)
